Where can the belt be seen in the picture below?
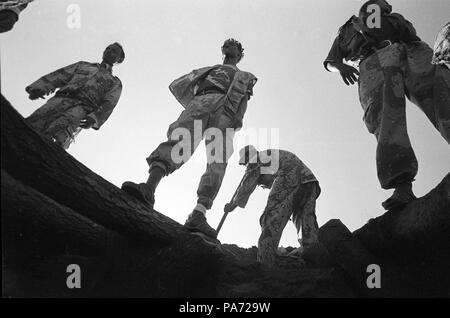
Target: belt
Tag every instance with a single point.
(210, 91)
(78, 96)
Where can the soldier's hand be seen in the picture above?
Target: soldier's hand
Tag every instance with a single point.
(229, 208)
(349, 73)
(87, 123)
(35, 93)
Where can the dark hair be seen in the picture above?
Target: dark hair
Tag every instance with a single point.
(239, 46)
(122, 52)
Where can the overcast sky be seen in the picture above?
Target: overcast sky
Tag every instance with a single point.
(313, 112)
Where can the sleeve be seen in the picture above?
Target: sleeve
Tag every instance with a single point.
(246, 187)
(251, 83)
(241, 112)
(336, 53)
(106, 108)
(54, 80)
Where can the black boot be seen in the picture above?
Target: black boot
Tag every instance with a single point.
(145, 192)
(402, 195)
(196, 222)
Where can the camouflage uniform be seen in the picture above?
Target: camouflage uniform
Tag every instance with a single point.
(14, 5)
(441, 54)
(85, 90)
(387, 74)
(294, 190)
(9, 13)
(210, 110)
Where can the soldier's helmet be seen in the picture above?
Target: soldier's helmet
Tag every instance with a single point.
(248, 154)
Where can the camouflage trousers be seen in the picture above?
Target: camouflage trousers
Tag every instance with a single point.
(386, 77)
(59, 119)
(204, 114)
(288, 199)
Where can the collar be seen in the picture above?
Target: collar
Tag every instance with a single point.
(104, 66)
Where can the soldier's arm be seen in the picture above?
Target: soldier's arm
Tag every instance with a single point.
(335, 63)
(243, 105)
(245, 188)
(106, 108)
(48, 83)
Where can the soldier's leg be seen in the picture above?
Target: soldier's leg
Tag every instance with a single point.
(428, 86)
(44, 116)
(305, 216)
(219, 148)
(382, 96)
(64, 128)
(184, 135)
(278, 210)
(58, 119)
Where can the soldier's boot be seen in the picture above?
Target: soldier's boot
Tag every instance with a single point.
(402, 195)
(145, 192)
(196, 222)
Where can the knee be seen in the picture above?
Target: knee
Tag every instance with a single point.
(61, 139)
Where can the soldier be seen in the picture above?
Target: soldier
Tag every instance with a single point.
(214, 97)
(393, 63)
(294, 191)
(87, 95)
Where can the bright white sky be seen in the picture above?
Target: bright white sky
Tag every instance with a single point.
(318, 117)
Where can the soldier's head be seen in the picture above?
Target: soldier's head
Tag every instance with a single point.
(248, 154)
(113, 54)
(232, 48)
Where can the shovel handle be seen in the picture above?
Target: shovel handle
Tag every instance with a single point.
(221, 222)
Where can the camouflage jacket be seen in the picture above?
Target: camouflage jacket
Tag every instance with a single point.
(14, 5)
(442, 47)
(240, 90)
(272, 164)
(355, 41)
(91, 83)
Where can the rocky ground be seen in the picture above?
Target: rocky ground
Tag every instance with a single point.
(56, 212)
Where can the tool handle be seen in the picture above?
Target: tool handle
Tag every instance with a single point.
(221, 222)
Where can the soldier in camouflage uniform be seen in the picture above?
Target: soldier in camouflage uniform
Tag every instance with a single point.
(87, 95)
(294, 191)
(441, 55)
(393, 63)
(214, 97)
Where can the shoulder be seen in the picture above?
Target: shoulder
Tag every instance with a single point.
(346, 27)
(117, 82)
(246, 76)
(84, 63)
